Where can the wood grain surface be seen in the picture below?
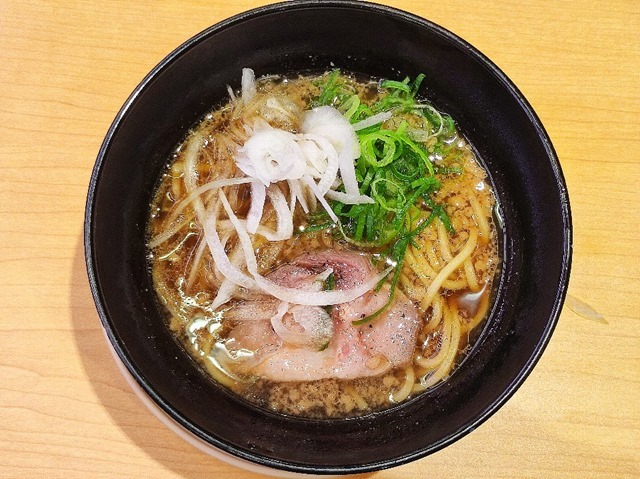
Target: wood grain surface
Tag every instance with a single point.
(67, 66)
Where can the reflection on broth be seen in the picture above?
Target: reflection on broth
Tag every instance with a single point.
(324, 245)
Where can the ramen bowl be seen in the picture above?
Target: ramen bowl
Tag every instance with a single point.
(360, 38)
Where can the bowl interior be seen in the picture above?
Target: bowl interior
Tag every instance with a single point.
(358, 38)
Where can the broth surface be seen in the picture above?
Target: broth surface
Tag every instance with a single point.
(445, 275)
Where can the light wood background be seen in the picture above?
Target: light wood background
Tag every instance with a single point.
(67, 66)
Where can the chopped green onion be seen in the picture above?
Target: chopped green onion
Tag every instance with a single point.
(396, 85)
(386, 203)
(330, 90)
(350, 107)
(393, 169)
(378, 148)
(315, 227)
(330, 282)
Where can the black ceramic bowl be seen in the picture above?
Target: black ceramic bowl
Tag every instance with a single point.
(359, 38)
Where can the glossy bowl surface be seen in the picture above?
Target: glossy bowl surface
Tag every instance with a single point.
(360, 38)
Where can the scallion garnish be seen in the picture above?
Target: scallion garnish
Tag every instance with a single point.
(393, 169)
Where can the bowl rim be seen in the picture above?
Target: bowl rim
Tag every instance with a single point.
(375, 8)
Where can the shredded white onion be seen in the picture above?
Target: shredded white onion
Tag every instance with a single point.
(297, 195)
(258, 198)
(316, 157)
(213, 185)
(232, 95)
(249, 89)
(271, 155)
(349, 199)
(372, 120)
(319, 298)
(222, 261)
(309, 161)
(225, 293)
(329, 171)
(243, 236)
(328, 122)
(348, 174)
(314, 163)
(283, 214)
(283, 293)
(314, 188)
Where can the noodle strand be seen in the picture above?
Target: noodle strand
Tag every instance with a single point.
(450, 268)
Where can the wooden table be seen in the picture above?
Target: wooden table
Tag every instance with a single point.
(66, 67)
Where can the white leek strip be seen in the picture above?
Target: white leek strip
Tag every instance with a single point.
(319, 298)
(271, 156)
(243, 236)
(295, 187)
(275, 105)
(349, 199)
(213, 185)
(314, 155)
(292, 196)
(310, 196)
(283, 293)
(193, 272)
(313, 187)
(190, 158)
(258, 198)
(348, 174)
(283, 214)
(248, 130)
(225, 293)
(372, 120)
(232, 95)
(332, 162)
(223, 263)
(268, 233)
(329, 123)
(249, 89)
(322, 277)
(283, 307)
(168, 232)
(227, 288)
(312, 326)
(224, 237)
(191, 155)
(258, 124)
